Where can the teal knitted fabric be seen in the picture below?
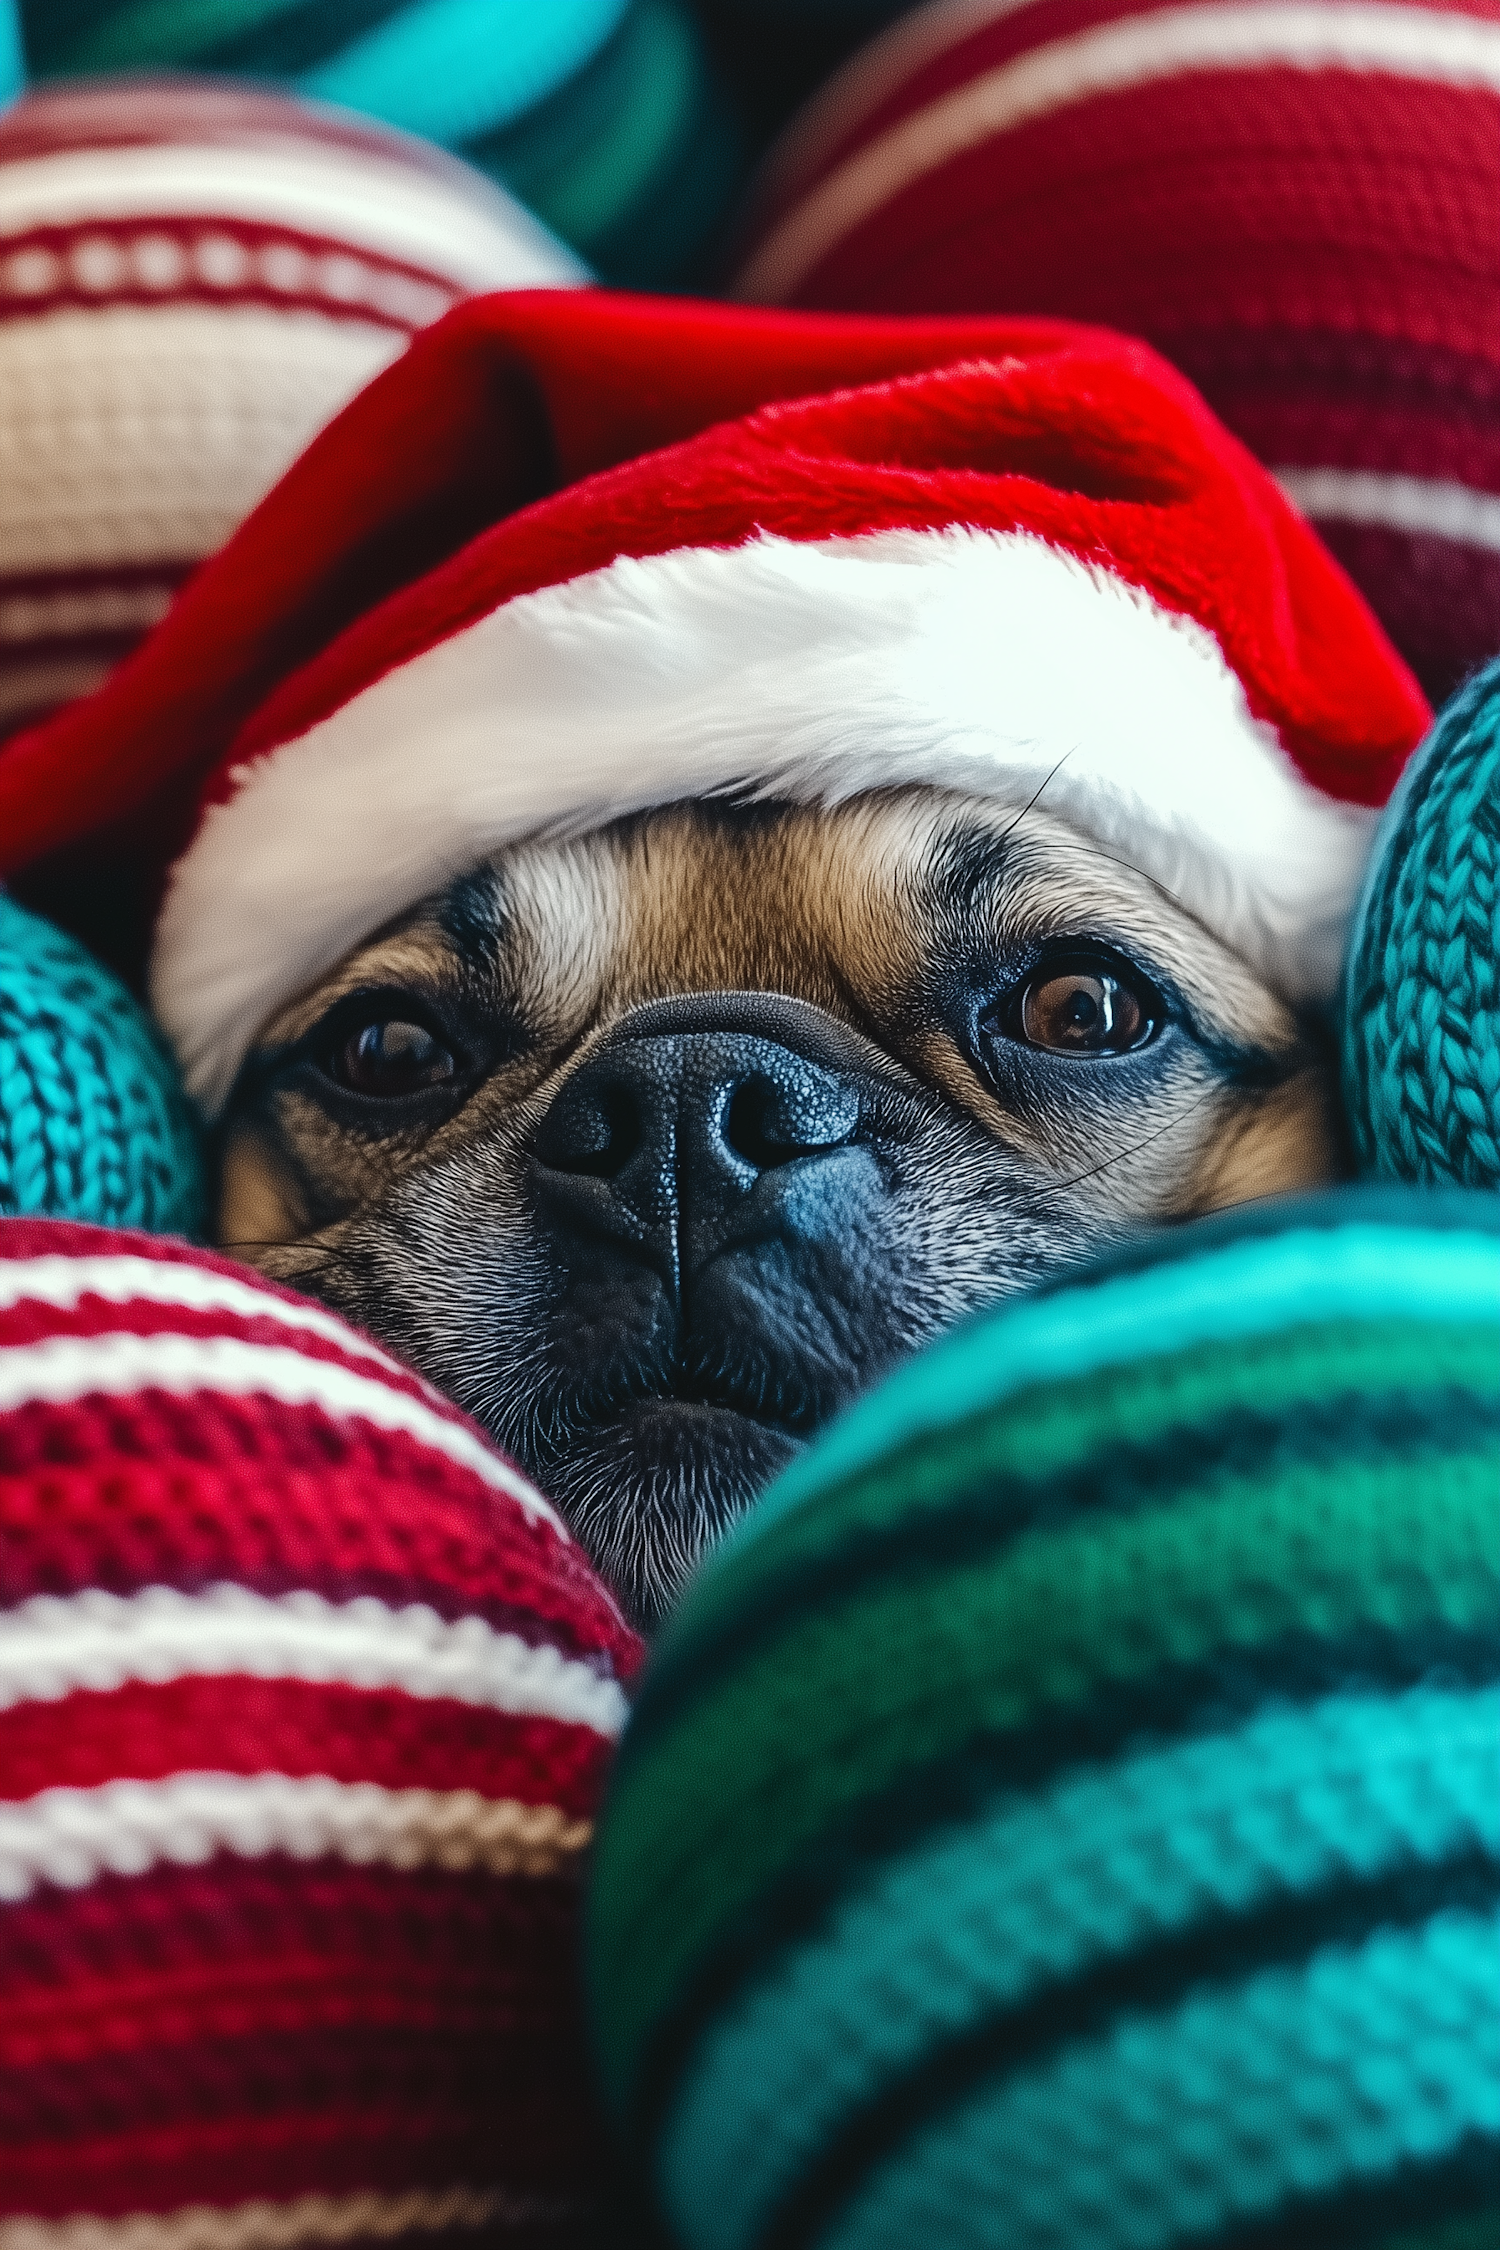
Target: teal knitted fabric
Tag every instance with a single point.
(93, 1124)
(1422, 989)
(1068, 1811)
(12, 68)
(443, 67)
(635, 160)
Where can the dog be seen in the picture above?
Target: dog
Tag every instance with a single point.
(654, 1147)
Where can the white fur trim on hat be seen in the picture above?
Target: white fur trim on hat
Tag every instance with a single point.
(981, 662)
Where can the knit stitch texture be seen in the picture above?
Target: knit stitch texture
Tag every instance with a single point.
(1065, 1813)
(305, 1700)
(1295, 205)
(1422, 1006)
(93, 1121)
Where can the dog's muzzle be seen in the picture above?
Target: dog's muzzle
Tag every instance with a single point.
(708, 1185)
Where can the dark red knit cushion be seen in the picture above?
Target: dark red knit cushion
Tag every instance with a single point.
(1304, 221)
(305, 1701)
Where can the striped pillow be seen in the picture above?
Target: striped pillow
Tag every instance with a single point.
(194, 278)
(305, 1697)
(1068, 1813)
(1297, 204)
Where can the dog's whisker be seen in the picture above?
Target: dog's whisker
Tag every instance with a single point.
(1133, 1148)
(1035, 798)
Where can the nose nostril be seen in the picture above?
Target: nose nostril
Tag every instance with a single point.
(596, 1135)
(766, 1125)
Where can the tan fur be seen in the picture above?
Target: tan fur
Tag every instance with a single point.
(1288, 1141)
(258, 1203)
(820, 905)
(886, 915)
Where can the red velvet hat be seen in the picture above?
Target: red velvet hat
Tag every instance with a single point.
(678, 550)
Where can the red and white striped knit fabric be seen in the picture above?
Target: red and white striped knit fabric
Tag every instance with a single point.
(305, 1700)
(193, 278)
(1297, 203)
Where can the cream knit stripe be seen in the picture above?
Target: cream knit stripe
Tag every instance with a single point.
(1396, 502)
(67, 1368)
(143, 434)
(71, 1837)
(1424, 45)
(52, 1646)
(64, 1282)
(306, 2219)
(462, 229)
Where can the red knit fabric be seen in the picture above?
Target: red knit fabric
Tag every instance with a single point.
(302, 1720)
(1312, 241)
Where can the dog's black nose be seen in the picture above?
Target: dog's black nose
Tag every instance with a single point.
(705, 1125)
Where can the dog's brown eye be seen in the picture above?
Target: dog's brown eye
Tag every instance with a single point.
(1083, 1009)
(389, 1059)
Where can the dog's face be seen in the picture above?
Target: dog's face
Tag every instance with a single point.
(653, 1149)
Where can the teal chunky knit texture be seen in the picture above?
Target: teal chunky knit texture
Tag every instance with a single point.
(1422, 995)
(1065, 1812)
(93, 1123)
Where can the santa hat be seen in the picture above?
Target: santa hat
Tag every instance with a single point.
(1297, 205)
(193, 279)
(1014, 559)
(306, 1698)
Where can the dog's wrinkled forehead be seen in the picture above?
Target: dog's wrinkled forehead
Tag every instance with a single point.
(655, 1147)
(852, 909)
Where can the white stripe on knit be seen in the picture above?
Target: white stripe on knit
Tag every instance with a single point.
(1398, 503)
(70, 1837)
(54, 1645)
(1424, 45)
(64, 1282)
(307, 2220)
(209, 257)
(471, 234)
(881, 67)
(65, 1368)
(143, 434)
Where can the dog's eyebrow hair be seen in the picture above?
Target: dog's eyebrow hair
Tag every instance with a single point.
(968, 860)
(974, 857)
(473, 916)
